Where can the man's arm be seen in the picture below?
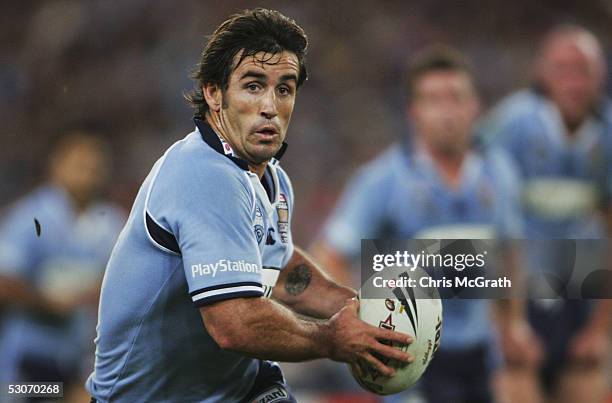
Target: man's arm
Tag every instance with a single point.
(262, 328)
(307, 289)
(520, 345)
(592, 344)
(14, 291)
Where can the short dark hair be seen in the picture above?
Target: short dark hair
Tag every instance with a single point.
(251, 31)
(435, 58)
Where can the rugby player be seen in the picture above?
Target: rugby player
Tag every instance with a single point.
(185, 313)
(433, 184)
(559, 133)
(54, 245)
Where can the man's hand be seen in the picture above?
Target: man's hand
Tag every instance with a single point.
(354, 341)
(61, 305)
(590, 346)
(520, 345)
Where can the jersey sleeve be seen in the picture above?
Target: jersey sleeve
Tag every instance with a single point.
(358, 214)
(508, 214)
(509, 126)
(18, 237)
(210, 212)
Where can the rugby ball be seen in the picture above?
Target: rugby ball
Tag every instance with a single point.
(411, 310)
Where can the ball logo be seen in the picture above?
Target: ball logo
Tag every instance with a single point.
(406, 310)
(438, 335)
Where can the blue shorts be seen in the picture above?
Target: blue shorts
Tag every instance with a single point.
(269, 386)
(455, 376)
(556, 325)
(462, 376)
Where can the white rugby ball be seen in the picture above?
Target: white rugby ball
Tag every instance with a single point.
(413, 311)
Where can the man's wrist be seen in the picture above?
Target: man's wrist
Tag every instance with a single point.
(324, 338)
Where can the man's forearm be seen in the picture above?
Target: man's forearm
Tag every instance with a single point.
(262, 328)
(308, 290)
(17, 292)
(514, 305)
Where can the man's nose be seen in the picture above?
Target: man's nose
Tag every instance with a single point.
(268, 105)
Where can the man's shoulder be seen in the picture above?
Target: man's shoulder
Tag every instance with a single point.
(190, 163)
(39, 201)
(520, 104)
(385, 166)
(515, 117)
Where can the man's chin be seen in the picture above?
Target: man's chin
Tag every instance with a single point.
(263, 154)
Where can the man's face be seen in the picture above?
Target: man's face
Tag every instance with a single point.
(257, 105)
(443, 109)
(81, 169)
(571, 75)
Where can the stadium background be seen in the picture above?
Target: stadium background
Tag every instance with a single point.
(120, 68)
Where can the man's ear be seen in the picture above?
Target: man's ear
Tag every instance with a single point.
(213, 96)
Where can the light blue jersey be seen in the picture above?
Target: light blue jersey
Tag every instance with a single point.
(203, 229)
(566, 180)
(67, 253)
(401, 195)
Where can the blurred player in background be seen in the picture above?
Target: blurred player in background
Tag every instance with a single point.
(434, 185)
(558, 132)
(54, 244)
(185, 313)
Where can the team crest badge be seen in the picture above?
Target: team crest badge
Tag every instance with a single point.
(258, 225)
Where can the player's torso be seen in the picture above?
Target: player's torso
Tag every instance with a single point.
(66, 254)
(147, 313)
(564, 176)
(272, 222)
(70, 246)
(421, 205)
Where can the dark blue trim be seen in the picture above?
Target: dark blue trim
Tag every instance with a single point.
(281, 152)
(210, 137)
(161, 236)
(222, 297)
(221, 286)
(268, 184)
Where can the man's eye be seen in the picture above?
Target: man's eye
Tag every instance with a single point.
(253, 87)
(284, 91)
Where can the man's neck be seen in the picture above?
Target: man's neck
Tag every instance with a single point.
(78, 204)
(215, 123)
(448, 163)
(259, 169)
(572, 126)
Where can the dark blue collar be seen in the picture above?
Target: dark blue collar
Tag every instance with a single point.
(210, 137)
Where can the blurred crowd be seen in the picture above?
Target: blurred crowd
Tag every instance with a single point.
(119, 70)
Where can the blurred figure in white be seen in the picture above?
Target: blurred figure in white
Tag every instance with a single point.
(559, 133)
(54, 244)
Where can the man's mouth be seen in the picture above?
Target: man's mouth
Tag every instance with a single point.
(267, 134)
(267, 131)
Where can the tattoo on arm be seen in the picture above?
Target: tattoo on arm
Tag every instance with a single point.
(298, 279)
